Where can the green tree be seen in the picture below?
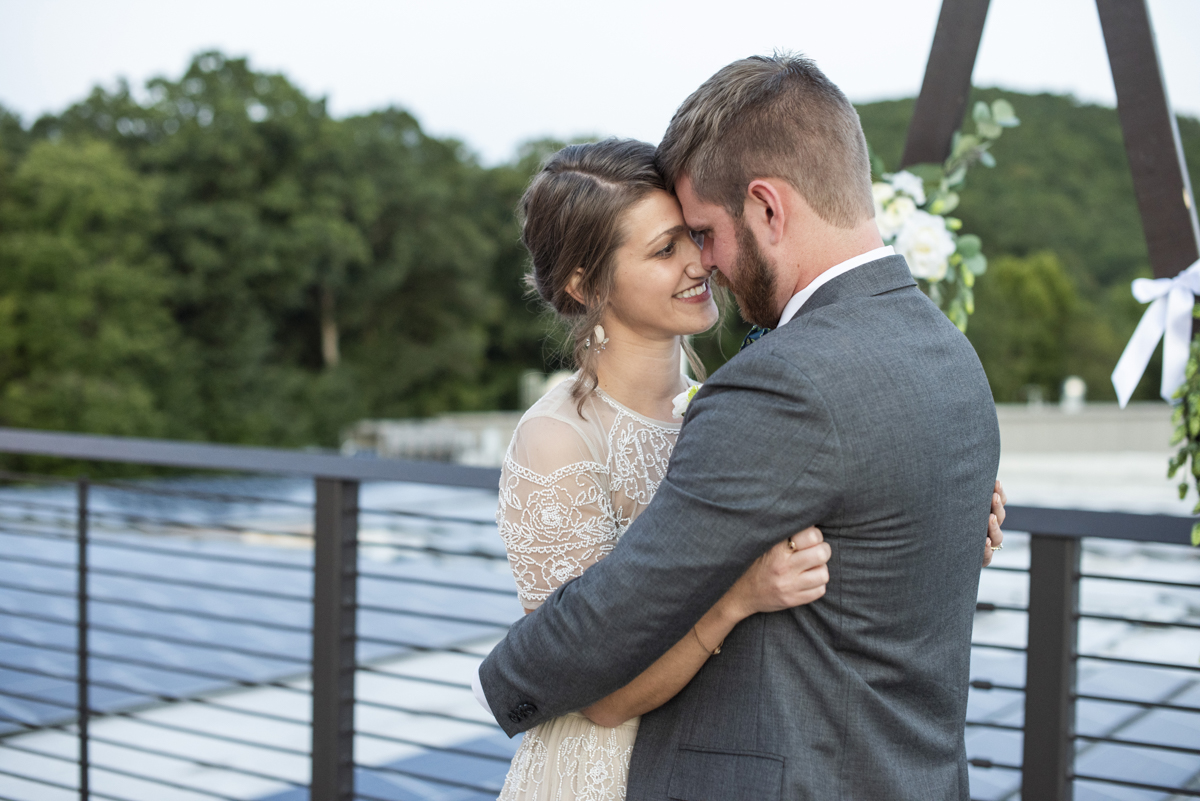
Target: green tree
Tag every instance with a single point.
(328, 270)
(1033, 328)
(241, 158)
(419, 314)
(87, 342)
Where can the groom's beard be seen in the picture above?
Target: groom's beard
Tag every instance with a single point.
(754, 285)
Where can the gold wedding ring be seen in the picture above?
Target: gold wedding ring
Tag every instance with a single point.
(791, 545)
(997, 547)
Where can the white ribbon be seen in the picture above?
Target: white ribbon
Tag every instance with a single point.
(1169, 318)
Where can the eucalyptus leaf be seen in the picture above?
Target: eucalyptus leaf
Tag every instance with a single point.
(1003, 114)
(968, 278)
(968, 298)
(969, 245)
(981, 113)
(958, 316)
(989, 130)
(953, 223)
(966, 144)
(944, 204)
(987, 159)
(976, 264)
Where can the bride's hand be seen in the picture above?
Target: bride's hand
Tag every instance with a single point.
(783, 577)
(995, 537)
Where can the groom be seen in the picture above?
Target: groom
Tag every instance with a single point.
(866, 413)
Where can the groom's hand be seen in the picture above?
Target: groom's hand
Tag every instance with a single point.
(995, 537)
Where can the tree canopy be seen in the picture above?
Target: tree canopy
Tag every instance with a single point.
(219, 259)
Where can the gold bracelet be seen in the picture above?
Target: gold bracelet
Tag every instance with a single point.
(705, 647)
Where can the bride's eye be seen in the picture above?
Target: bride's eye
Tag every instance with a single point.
(668, 250)
(698, 238)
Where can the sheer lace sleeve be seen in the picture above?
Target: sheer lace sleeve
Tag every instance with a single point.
(555, 513)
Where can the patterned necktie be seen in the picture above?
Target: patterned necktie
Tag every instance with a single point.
(756, 333)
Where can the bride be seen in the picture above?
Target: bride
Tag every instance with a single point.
(612, 256)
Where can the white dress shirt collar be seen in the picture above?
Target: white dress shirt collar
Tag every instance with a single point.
(801, 297)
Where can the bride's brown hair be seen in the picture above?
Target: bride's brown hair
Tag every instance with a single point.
(571, 217)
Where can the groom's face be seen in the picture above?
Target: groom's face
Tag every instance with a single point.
(731, 249)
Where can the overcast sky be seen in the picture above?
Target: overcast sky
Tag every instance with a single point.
(497, 73)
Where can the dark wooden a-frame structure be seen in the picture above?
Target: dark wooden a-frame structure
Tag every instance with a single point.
(1160, 177)
(1168, 212)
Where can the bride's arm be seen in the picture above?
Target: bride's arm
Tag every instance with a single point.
(780, 579)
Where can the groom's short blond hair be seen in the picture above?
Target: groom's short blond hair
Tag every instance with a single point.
(771, 117)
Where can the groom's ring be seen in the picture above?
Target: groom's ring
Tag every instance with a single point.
(997, 547)
(791, 545)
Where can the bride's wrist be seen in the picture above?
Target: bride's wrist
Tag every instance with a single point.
(728, 612)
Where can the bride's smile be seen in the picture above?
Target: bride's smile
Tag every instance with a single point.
(697, 294)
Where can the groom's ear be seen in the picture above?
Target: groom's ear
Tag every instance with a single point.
(764, 209)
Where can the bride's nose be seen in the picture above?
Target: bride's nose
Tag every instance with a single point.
(696, 268)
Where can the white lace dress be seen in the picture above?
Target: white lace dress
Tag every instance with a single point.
(569, 489)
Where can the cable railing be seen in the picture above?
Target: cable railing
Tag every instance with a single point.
(1085, 682)
(313, 637)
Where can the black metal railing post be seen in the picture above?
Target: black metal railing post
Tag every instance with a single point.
(83, 702)
(335, 573)
(1049, 751)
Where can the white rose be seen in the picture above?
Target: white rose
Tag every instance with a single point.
(682, 400)
(893, 216)
(904, 181)
(882, 192)
(927, 245)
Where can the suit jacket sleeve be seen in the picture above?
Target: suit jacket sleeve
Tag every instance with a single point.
(754, 463)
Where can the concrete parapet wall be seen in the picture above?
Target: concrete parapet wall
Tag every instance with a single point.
(1097, 427)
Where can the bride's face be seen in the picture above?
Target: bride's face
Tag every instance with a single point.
(660, 288)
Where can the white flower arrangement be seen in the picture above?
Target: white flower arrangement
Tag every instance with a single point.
(682, 400)
(911, 208)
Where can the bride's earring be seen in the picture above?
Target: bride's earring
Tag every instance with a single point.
(597, 337)
(601, 340)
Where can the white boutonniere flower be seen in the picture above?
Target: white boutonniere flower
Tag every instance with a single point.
(684, 398)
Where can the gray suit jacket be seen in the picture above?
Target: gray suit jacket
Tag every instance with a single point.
(868, 415)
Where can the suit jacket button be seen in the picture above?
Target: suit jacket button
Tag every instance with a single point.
(514, 717)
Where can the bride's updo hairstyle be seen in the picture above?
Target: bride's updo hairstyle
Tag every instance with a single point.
(572, 218)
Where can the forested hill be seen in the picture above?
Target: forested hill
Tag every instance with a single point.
(224, 261)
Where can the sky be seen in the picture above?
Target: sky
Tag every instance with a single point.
(495, 74)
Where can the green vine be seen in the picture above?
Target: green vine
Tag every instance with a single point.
(1186, 418)
(912, 207)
